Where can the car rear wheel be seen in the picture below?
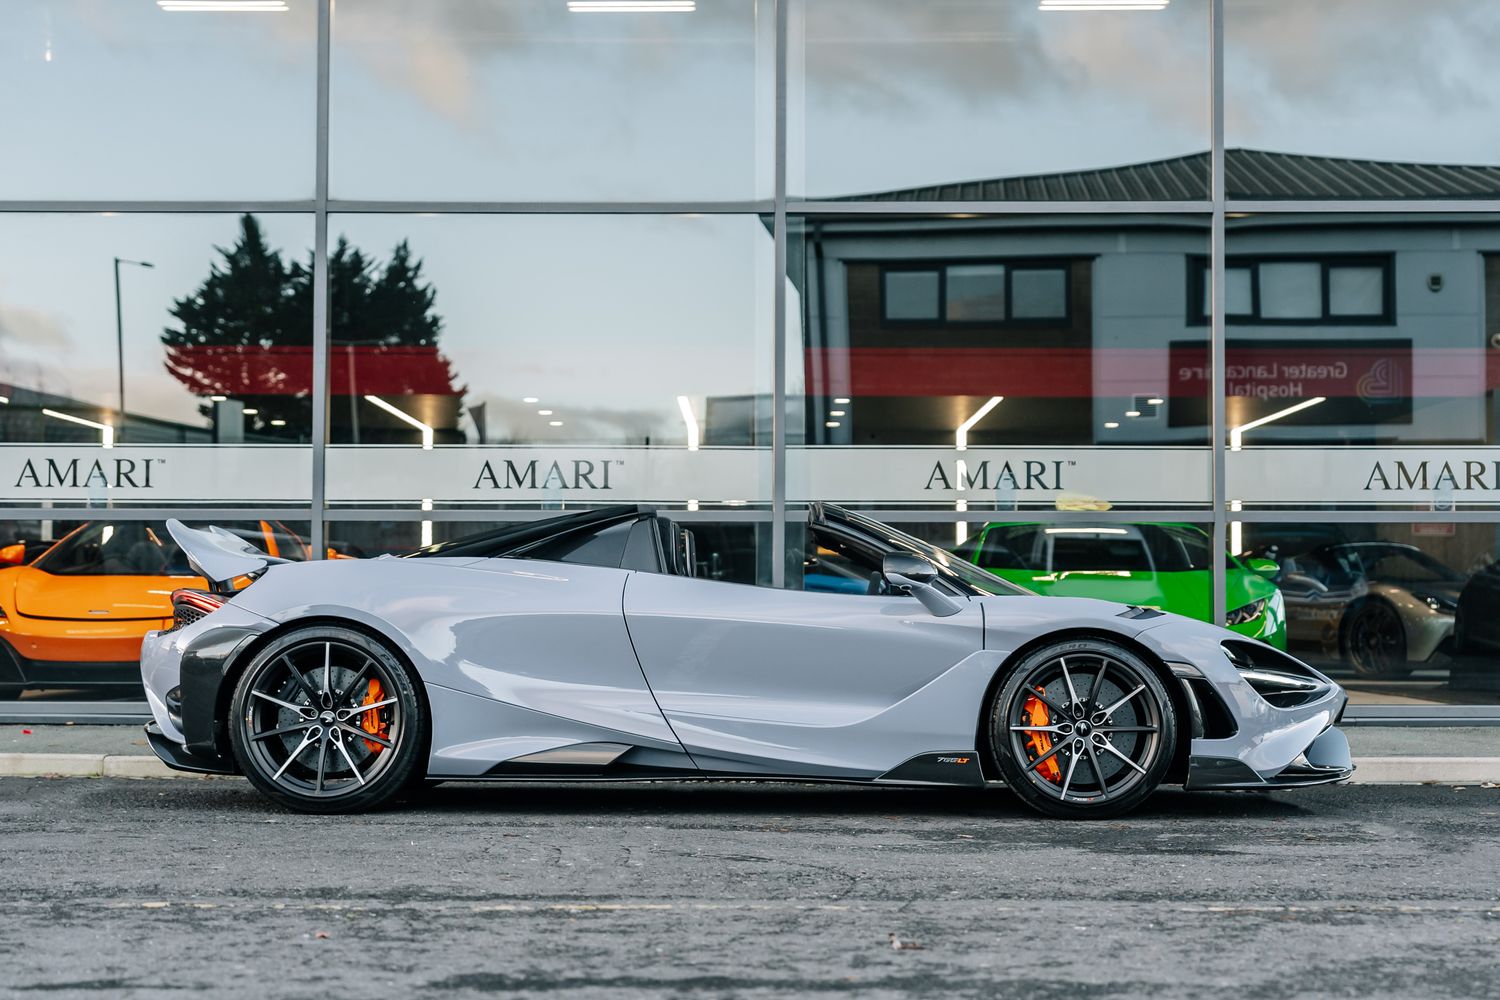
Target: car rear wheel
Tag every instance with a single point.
(328, 720)
(1083, 729)
(1374, 641)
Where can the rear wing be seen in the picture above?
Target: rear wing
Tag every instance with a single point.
(219, 556)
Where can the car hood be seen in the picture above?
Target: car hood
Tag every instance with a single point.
(95, 598)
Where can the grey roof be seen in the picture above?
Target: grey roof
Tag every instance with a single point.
(1250, 174)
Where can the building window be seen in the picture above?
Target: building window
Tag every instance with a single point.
(1336, 291)
(992, 292)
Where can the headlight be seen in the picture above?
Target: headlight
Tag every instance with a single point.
(1437, 602)
(1247, 613)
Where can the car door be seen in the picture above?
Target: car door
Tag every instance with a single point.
(757, 680)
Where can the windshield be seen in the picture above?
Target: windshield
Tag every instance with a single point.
(1400, 564)
(966, 574)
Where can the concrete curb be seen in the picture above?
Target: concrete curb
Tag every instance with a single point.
(1371, 770)
(85, 765)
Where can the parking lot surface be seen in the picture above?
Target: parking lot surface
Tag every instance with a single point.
(130, 888)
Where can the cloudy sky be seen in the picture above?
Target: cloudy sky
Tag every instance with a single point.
(520, 100)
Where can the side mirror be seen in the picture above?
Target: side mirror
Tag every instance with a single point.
(911, 574)
(1267, 568)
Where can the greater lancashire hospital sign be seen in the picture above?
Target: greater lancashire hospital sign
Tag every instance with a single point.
(1023, 477)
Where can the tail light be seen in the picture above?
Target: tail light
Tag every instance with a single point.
(190, 605)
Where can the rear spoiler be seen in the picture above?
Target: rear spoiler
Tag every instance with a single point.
(219, 556)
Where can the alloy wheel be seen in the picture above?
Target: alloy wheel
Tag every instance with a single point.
(322, 719)
(1086, 727)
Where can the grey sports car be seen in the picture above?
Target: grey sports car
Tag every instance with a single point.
(583, 647)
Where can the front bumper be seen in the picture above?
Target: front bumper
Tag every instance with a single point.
(184, 672)
(1256, 744)
(179, 758)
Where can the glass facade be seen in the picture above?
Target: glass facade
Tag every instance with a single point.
(1192, 305)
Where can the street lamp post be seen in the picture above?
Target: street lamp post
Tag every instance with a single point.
(120, 331)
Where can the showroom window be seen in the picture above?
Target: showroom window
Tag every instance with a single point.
(1340, 291)
(533, 265)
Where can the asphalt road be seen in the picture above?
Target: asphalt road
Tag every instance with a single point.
(128, 888)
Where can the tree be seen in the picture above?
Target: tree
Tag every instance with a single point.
(246, 332)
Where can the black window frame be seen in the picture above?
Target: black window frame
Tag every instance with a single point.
(1011, 265)
(1197, 287)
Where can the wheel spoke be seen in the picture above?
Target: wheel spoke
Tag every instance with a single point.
(1126, 729)
(1111, 748)
(307, 740)
(322, 759)
(328, 670)
(1111, 709)
(312, 696)
(362, 734)
(1068, 780)
(359, 675)
(1098, 771)
(345, 751)
(362, 709)
(1098, 687)
(297, 727)
(1062, 661)
(1036, 729)
(1046, 756)
(1045, 699)
(284, 704)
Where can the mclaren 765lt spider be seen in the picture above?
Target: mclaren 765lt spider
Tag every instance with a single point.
(584, 647)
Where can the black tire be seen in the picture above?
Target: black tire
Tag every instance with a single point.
(1111, 751)
(1372, 640)
(299, 706)
(10, 692)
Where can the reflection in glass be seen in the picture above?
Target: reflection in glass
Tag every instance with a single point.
(212, 344)
(551, 329)
(1404, 610)
(1381, 317)
(522, 100)
(126, 100)
(1320, 98)
(953, 100)
(910, 326)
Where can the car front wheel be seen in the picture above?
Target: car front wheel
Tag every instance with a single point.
(328, 720)
(1083, 729)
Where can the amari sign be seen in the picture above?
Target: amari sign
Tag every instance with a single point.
(1442, 477)
(148, 474)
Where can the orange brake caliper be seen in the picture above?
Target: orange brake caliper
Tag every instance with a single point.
(370, 721)
(1036, 714)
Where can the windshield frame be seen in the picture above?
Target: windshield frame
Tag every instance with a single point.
(964, 575)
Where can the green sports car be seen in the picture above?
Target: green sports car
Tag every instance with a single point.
(1163, 566)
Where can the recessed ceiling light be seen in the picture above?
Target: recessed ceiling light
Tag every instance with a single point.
(555, 423)
(251, 411)
(218, 399)
(841, 401)
(529, 399)
(1132, 413)
(1110, 425)
(836, 413)
(544, 413)
(278, 423)
(831, 423)
(1155, 401)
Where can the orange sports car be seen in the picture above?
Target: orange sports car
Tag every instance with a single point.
(76, 615)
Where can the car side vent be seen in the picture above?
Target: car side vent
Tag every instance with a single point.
(1136, 613)
(1209, 710)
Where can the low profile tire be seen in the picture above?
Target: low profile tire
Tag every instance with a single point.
(1373, 641)
(328, 720)
(10, 692)
(1083, 729)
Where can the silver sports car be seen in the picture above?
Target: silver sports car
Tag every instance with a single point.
(583, 647)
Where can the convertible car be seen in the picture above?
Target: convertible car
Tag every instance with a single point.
(584, 647)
